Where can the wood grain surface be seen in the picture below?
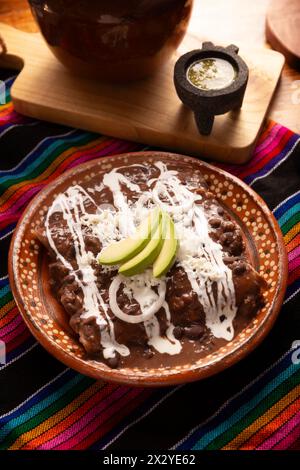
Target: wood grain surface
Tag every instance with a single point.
(148, 111)
(283, 29)
(223, 21)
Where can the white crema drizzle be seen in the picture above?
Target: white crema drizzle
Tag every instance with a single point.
(198, 255)
(71, 205)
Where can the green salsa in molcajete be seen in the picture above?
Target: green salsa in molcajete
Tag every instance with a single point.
(211, 73)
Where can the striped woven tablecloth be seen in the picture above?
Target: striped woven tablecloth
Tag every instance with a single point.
(44, 405)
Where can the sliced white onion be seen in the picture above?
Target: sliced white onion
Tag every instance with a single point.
(146, 315)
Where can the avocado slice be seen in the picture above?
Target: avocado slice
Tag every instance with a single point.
(120, 252)
(145, 258)
(168, 251)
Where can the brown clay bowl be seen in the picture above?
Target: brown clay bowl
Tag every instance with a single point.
(46, 320)
(115, 40)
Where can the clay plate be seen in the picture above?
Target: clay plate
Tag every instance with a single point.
(46, 320)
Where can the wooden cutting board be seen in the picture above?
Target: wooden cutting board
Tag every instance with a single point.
(148, 111)
(283, 29)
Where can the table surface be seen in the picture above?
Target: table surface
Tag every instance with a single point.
(222, 21)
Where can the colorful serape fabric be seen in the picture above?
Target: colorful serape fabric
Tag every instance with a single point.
(44, 405)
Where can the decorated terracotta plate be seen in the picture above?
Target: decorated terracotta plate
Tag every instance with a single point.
(171, 312)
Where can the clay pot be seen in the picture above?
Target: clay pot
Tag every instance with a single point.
(115, 40)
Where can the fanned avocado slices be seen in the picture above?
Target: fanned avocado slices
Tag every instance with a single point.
(120, 252)
(169, 248)
(154, 243)
(145, 258)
